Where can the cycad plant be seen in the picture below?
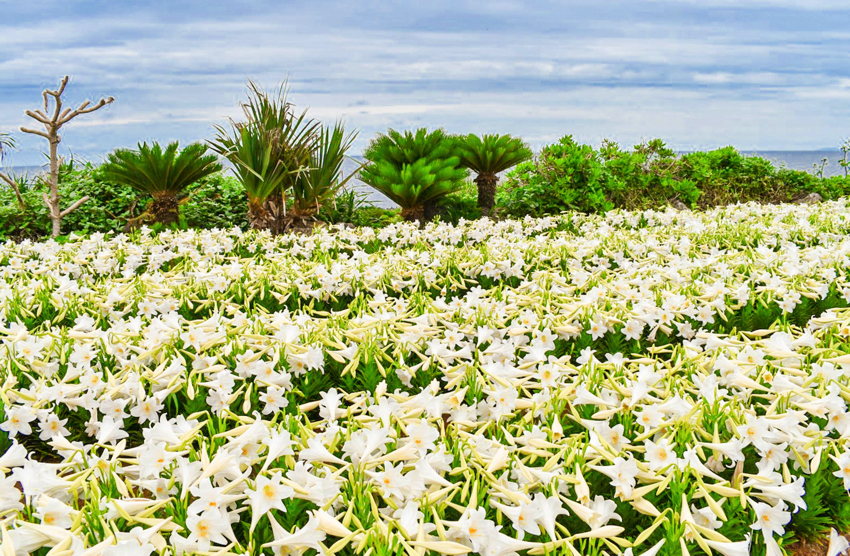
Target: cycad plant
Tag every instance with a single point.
(320, 183)
(163, 174)
(268, 151)
(412, 169)
(487, 156)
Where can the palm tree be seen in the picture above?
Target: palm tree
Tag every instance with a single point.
(320, 183)
(162, 174)
(268, 151)
(412, 169)
(7, 142)
(487, 157)
(259, 171)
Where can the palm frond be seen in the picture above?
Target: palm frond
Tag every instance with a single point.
(7, 142)
(412, 168)
(155, 171)
(491, 154)
(323, 179)
(272, 147)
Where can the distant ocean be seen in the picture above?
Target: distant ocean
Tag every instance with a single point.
(795, 160)
(804, 160)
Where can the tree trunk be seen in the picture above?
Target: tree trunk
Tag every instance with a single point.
(275, 208)
(164, 209)
(486, 192)
(53, 204)
(430, 210)
(258, 217)
(412, 214)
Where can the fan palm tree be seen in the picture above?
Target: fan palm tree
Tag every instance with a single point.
(488, 156)
(162, 174)
(268, 151)
(320, 183)
(7, 142)
(412, 169)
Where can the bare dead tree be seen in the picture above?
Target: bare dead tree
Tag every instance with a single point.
(52, 125)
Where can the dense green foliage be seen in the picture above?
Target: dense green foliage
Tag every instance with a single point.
(319, 184)
(564, 176)
(217, 201)
(412, 169)
(351, 207)
(108, 207)
(571, 176)
(460, 204)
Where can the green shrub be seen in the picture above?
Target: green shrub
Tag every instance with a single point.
(570, 176)
(725, 176)
(351, 207)
(462, 203)
(645, 177)
(343, 207)
(217, 201)
(107, 208)
(564, 176)
(14, 224)
(375, 217)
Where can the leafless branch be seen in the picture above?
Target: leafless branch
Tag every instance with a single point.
(14, 186)
(35, 132)
(37, 115)
(83, 110)
(62, 86)
(73, 207)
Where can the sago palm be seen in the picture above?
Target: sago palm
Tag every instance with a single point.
(163, 174)
(412, 169)
(320, 183)
(268, 150)
(487, 156)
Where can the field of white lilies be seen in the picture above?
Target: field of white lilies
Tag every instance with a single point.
(647, 383)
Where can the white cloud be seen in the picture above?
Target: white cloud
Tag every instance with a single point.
(541, 71)
(808, 5)
(757, 78)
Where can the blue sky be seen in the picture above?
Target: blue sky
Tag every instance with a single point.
(757, 74)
